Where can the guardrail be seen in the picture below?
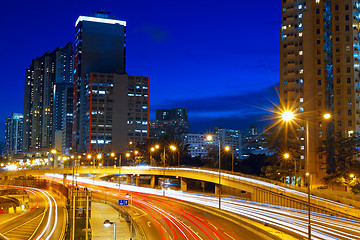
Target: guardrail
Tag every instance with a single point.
(139, 231)
(293, 193)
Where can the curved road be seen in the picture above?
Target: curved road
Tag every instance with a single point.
(45, 220)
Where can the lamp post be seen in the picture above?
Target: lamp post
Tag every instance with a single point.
(227, 148)
(54, 152)
(210, 138)
(131, 211)
(288, 116)
(173, 148)
(135, 154)
(107, 223)
(89, 158)
(151, 151)
(99, 156)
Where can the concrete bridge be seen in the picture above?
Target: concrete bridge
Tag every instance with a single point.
(258, 190)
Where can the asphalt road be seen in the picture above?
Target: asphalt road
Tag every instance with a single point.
(45, 219)
(167, 218)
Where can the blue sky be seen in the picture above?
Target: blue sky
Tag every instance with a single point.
(219, 59)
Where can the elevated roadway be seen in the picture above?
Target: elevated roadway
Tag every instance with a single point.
(260, 190)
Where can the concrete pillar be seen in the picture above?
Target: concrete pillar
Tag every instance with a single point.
(6, 182)
(128, 178)
(183, 185)
(217, 189)
(152, 181)
(64, 179)
(137, 180)
(254, 196)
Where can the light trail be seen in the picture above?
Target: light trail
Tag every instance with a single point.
(324, 227)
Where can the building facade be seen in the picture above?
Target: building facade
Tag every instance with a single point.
(171, 122)
(231, 138)
(13, 134)
(319, 64)
(197, 144)
(44, 99)
(116, 108)
(100, 47)
(253, 142)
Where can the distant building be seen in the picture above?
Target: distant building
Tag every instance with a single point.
(171, 122)
(13, 134)
(100, 47)
(197, 144)
(2, 148)
(253, 143)
(116, 110)
(231, 138)
(47, 81)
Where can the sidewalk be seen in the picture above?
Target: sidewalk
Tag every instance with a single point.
(101, 212)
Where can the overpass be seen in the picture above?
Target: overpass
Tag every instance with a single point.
(260, 190)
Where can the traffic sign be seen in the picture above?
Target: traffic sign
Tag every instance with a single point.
(123, 202)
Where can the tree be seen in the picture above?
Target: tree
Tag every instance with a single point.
(280, 140)
(344, 164)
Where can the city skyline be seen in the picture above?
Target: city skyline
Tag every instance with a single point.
(234, 67)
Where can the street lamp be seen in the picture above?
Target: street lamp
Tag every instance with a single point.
(288, 116)
(107, 223)
(151, 151)
(210, 138)
(131, 211)
(173, 148)
(309, 205)
(227, 148)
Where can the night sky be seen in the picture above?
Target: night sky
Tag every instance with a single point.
(219, 59)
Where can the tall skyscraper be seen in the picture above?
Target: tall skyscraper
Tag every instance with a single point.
(13, 134)
(111, 108)
(100, 47)
(116, 112)
(319, 73)
(45, 82)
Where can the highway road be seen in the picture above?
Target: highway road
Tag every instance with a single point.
(45, 220)
(167, 218)
(287, 221)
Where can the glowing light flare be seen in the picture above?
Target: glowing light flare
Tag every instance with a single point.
(287, 116)
(327, 115)
(286, 155)
(11, 167)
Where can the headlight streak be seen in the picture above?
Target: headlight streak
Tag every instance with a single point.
(56, 218)
(49, 216)
(191, 217)
(163, 213)
(264, 212)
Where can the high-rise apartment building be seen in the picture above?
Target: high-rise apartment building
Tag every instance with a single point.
(319, 73)
(100, 45)
(116, 112)
(13, 134)
(44, 98)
